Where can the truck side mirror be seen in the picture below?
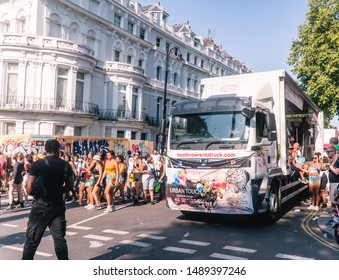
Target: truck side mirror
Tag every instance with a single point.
(248, 113)
(270, 122)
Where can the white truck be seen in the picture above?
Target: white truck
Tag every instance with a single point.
(227, 153)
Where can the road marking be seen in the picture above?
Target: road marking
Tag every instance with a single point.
(180, 250)
(135, 243)
(292, 257)
(239, 249)
(150, 236)
(98, 237)
(306, 227)
(21, 250)
(80, 227)
(9, 225)
(115, 231)
(226, 257)
(192, 242)
(71, 233)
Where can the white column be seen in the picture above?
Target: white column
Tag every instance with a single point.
(115, 93)
(88, 88)
(106, 106)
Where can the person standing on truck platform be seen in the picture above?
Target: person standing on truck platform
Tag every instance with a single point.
(49, 210)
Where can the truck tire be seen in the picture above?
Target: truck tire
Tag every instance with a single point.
(274, 203)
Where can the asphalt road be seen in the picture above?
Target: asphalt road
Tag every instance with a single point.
(153, 232)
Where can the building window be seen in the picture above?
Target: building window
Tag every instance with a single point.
(21, 25)
(158, 73)
(108, 132)
(158, 42)
(167, 45)
(91, 37)
(129, 59)
(77, 131)
(143, 136)
(140, 63)
(202, 64)
(188, 83)
(188, 56)
(195, 86)
(5, 26)
(12, 82)
(121, 134)
(61, 97)
(122, 101)
(175, 79)
(10, 128)
(55, 26)
(142, 33)
(59, 130)
(130, 27)
(135, 103)
(133, 135)
(117, 56)
(117, 20)
(94, 6)
(195, 60)
(79, 92)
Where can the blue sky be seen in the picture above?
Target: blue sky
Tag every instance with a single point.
(258, 33)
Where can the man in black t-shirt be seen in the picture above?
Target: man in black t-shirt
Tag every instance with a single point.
(49, 210)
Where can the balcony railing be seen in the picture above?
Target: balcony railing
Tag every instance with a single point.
(48, 105)
(116, 115)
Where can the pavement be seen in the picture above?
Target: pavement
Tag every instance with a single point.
(322, 217)
(322, 221)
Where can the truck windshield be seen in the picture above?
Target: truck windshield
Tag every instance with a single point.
(208, 129)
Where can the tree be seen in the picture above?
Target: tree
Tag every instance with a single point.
(315, 55)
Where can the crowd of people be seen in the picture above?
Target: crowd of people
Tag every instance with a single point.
(100, 178)
(321, 173)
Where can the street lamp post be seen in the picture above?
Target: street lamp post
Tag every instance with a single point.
(163, 125)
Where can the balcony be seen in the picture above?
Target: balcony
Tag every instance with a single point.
(123, 67)
(51, 105)
(45, 43)
(120, 115)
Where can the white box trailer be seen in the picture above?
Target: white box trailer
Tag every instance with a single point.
(228, 152)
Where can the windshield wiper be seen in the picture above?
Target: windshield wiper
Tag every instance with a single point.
(188, 142)
(221, 146)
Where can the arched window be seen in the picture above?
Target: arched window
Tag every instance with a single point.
(5, 24)
(91, 37)
(55, 26)
(74, 32)
(21, 22)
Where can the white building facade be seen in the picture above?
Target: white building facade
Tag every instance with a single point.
(97, 67)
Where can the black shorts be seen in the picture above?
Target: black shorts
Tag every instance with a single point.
(323, 182)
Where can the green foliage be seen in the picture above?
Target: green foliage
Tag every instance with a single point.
(315, 55)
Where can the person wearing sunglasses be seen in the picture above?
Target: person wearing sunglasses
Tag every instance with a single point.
(314, 181)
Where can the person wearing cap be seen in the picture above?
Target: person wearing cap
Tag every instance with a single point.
(96, 169)
(334, 141)
(49, 209)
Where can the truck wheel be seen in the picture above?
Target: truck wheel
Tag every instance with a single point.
(274, 204)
